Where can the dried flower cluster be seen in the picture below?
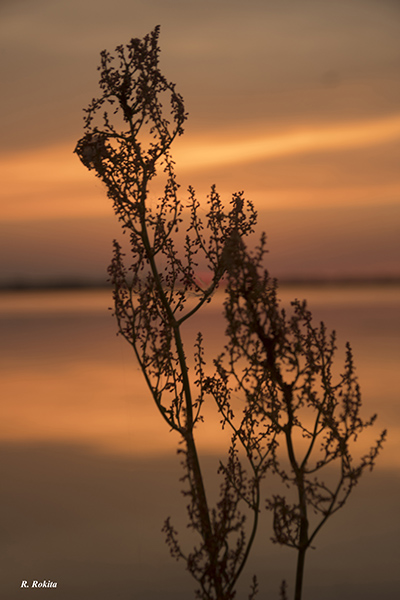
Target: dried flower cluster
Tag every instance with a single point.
(280, 366)
(283, 365)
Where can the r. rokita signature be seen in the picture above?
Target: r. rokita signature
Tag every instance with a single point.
(38, 584)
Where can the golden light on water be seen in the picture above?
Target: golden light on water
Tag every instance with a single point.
(89, 390)
(297, 105)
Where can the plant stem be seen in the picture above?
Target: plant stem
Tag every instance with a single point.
(303, 535)
(299, 573)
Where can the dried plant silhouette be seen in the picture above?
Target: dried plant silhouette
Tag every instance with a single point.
(280, 365)
(284, 366)
(159, 291)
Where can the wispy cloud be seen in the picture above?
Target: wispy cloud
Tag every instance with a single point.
(51, 182)
(202, 154)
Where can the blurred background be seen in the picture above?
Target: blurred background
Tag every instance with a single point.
(297, 104)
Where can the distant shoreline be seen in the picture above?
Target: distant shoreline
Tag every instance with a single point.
(283, 282)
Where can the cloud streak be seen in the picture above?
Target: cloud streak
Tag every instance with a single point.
(51, 182)
(203, 154)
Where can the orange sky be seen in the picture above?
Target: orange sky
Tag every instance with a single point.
(298, 106)
(53, 172)
(294, 102)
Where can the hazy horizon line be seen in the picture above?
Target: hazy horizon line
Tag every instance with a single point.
(83, 284)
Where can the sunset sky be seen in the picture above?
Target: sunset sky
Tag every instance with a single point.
(295, 102)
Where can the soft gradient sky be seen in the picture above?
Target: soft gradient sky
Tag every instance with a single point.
(296, 102)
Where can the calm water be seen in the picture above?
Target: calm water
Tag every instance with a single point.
(86, 456)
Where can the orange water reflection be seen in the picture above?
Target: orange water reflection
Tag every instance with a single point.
(67, 377)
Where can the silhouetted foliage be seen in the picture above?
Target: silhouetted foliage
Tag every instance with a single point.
(159, 290)
(281, 365)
